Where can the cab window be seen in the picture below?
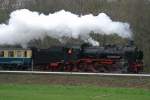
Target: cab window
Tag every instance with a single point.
(1, 53)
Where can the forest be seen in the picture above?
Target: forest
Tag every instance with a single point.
(135, 12)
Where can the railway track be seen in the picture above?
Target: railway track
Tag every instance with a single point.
(75, 73)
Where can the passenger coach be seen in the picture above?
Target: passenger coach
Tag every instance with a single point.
(15, 58)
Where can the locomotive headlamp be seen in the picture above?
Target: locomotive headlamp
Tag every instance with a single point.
(70, 51)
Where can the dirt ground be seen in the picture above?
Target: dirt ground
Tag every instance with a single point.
(102, 81)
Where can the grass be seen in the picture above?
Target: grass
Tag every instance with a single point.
(62, 92)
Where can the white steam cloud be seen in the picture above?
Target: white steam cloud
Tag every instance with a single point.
(24, 26)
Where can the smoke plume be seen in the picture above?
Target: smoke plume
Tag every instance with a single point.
(25, 25)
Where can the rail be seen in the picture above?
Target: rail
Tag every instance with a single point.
(75, 73)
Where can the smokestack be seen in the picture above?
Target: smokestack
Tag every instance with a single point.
(25, 25)
(130, 42)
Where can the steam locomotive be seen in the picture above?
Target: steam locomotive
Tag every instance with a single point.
(84, 58)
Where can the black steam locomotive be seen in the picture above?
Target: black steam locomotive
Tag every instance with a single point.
(84, 58)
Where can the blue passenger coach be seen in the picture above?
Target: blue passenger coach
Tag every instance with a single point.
(15, 59)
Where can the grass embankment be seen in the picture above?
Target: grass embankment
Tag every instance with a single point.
(77, 80)
(67, 92)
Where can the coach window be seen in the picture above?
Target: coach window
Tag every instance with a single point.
(19, 54)
(1, 53)
(10, 54)
(25, 53)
